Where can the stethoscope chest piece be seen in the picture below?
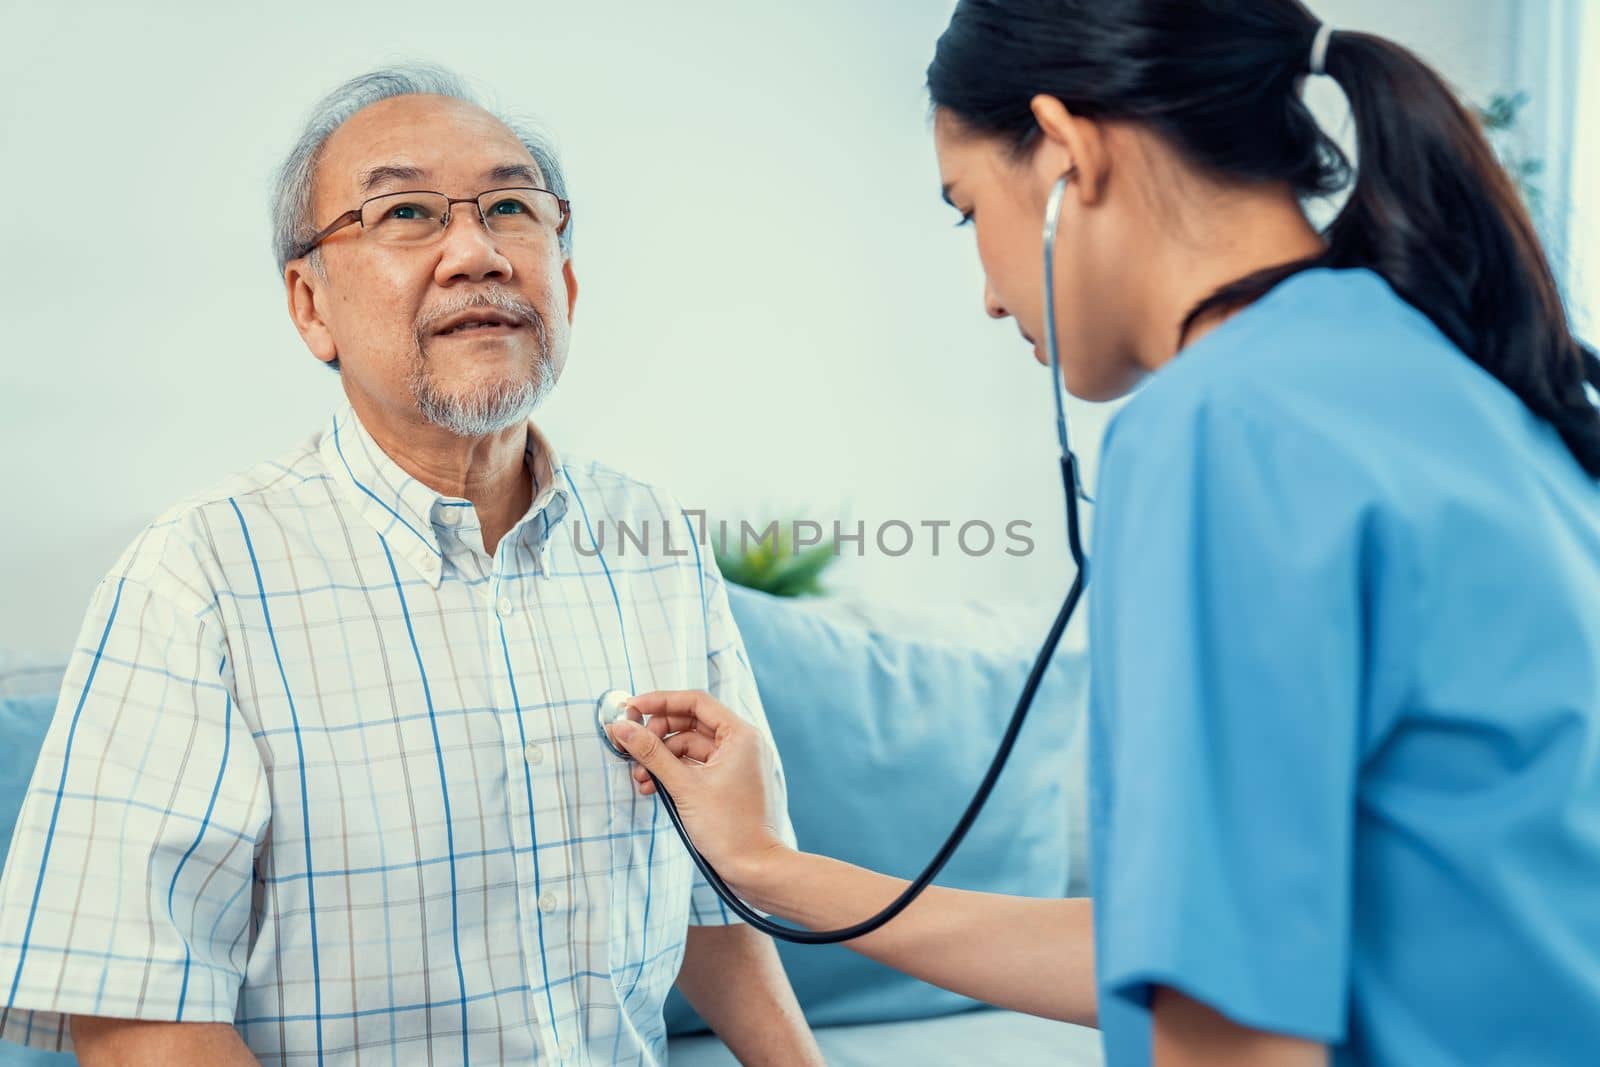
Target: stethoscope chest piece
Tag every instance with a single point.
(613, 707)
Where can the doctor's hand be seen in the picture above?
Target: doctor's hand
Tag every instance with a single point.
(718, 769)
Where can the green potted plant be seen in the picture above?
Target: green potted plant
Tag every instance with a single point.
(772, 564)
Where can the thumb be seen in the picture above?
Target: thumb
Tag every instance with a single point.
(648, 751)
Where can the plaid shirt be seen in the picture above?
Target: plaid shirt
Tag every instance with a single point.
(324, 769)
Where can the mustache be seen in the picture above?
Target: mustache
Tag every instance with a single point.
(496, 297)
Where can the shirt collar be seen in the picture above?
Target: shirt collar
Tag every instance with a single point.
(416, 522)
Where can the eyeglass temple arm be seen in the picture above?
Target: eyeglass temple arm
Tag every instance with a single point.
(353, 215)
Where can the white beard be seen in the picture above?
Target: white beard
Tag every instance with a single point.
(487, 409)
(482, 411)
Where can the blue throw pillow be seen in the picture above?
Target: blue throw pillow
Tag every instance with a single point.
(28, 692)
(883, 740)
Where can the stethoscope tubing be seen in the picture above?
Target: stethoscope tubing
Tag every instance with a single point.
(1074, 491)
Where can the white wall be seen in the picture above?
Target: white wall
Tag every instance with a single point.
(775, 317)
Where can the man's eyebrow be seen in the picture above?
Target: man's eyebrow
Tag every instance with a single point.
(405, 172)
(944, 193)
(389, 172)
(515, 172)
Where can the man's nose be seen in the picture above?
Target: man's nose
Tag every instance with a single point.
(469, 249)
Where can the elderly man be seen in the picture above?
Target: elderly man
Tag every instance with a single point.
(325, 785)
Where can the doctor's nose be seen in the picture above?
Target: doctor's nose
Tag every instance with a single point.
(992, 305)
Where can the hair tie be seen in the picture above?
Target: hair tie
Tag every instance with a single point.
(1319, 49)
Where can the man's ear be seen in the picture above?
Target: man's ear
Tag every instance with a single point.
(1071, 141)
(303, 287)
(572, 286)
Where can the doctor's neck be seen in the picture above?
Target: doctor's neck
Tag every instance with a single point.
(1215, 238)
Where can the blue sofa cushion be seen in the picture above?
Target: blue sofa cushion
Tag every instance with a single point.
(883, 739)
(28, 692)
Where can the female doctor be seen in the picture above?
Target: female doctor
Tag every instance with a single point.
(1345, 615)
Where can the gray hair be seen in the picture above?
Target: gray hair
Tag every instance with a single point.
(292, 224)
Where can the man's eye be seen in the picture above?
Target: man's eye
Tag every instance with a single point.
(406, 212)
(966, 220)
(508, 207)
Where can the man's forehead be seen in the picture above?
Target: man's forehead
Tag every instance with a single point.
(423, 139)
(399, 173)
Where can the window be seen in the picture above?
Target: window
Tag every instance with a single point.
(1583, 210)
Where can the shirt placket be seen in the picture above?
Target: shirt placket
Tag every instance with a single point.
(523, 694)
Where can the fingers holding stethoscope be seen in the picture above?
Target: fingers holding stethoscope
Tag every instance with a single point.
(678, 726)
(684, 747)
(685, 709)
(717, 768)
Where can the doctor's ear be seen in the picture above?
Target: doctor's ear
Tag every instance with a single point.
(1068, 140)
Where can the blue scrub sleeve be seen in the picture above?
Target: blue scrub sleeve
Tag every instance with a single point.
(1227, 665)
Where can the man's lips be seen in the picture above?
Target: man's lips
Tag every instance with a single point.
(475, 319)
(480, 329)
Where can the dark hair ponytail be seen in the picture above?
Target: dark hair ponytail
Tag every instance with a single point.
(1431, 210)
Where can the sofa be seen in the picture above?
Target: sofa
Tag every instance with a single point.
(885, 721)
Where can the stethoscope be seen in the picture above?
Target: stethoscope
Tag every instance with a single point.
(613, 705)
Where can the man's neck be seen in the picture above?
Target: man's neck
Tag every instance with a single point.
(490, 471)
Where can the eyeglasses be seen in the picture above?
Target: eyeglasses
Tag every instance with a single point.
(416, 217)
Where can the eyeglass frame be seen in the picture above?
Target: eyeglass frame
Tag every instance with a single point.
(355, 213)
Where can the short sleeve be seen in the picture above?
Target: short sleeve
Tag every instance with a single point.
(731, 681)
(127, 891)
(1227, 667)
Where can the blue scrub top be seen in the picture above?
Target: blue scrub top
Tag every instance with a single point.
(1346, 695)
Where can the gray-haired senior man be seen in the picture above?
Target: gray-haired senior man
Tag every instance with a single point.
(324, 784)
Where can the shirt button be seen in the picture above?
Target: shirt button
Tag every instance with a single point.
(547, 904)
(450, 516)
(534, 754)
(504, 608)
(567, 1050)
